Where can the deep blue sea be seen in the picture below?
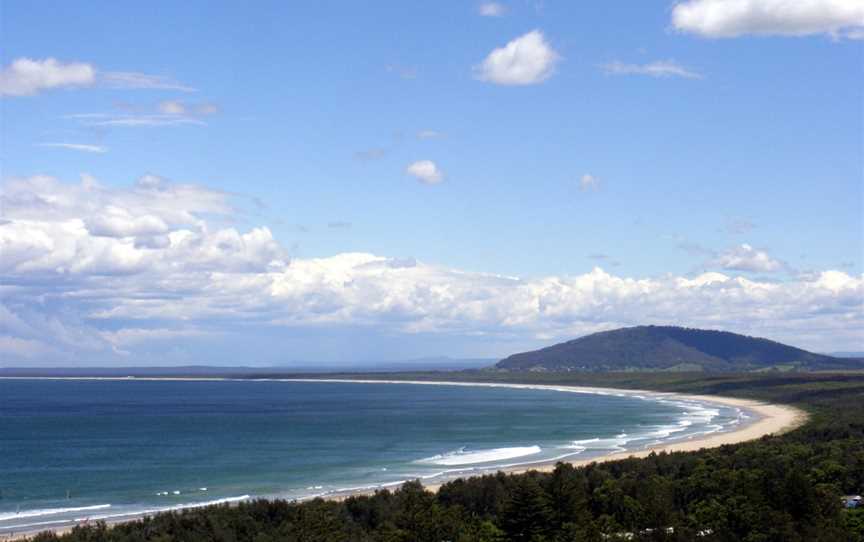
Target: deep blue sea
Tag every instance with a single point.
(73, 449)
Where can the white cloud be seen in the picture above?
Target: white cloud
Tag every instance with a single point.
(659, 68)
(119, 222)
(527, 60)
(145, 120)
(732, 18)
(588, 182)
(492, 9)
(180, 108)
(135, 120)
(25, 76)
(170, 113)
(134, 80)
(425, 171)
(746, 258)
(108, 271)
(76, 147)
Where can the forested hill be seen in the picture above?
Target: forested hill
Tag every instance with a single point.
(672, 348)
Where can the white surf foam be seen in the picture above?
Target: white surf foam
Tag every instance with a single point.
(615, 443)
(131, 513)
(462, 457)
(166, 509)
(50, 512)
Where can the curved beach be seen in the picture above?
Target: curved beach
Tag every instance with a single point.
(769, 419)
(763, 419)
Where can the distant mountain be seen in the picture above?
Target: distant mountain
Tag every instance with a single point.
(669, 348)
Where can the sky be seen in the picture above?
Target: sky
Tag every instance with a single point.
(337, 182)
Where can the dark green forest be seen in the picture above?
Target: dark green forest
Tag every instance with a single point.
(782, 488)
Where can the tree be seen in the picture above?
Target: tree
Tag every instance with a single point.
(568, 496)
(527, 515)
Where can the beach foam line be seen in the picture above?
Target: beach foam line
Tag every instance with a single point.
(132, 513)
(50, 512)
(187, 506)
(5, 529)
(461, 457)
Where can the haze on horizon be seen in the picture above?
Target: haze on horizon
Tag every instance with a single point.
(224, 184)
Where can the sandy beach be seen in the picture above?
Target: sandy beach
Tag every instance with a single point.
(773, 420)
(767, 419)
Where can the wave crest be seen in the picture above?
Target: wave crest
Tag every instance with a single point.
(462, 457)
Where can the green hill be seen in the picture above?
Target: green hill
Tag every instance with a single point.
(672, 348)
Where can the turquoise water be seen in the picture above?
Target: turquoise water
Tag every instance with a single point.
(73, 449)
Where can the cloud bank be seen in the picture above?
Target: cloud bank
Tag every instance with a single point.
(96, 272)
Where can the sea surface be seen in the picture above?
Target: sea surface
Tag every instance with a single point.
(110, 449)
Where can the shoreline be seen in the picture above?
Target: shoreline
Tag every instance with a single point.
(772, 419)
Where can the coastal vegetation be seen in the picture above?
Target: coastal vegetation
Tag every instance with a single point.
(779, 488)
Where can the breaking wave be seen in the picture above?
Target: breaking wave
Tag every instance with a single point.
(463, 457)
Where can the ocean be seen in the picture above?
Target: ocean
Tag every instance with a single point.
(110, 449)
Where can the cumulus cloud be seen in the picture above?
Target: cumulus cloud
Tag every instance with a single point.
(659, 68)
(92, 270)
(526, 60)
(77, 147)
(588, 182)
(425, 171)
(25, 76)
(746, 258)
(732, 18)
(492, 9)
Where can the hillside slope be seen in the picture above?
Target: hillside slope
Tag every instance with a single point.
(671, 348)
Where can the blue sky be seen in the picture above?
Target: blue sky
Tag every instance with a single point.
(642, 140)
